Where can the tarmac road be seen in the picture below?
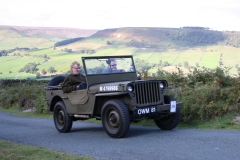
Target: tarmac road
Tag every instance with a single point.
(140, 143)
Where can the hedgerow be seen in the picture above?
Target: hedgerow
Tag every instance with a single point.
(205, 93)
(24, 94)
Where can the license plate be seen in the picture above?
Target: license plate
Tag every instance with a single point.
(148, 110)
(173, 106)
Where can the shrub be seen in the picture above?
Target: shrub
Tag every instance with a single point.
(205, 93)
(27, 94)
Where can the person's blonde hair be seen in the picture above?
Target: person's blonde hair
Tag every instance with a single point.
(73, 63)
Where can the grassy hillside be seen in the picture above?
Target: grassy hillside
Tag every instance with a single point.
(10, 38)
(154, 46)
(40, 37)
(203, 48)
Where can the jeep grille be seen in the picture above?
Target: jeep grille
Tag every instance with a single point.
(147, 93)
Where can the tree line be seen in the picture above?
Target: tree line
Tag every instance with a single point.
(6, 52)
(32, 68)
(196, 27)
(67, 41)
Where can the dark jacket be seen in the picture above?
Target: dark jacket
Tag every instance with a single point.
(109, 70)
(72, 81)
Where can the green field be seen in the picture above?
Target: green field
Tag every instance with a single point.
(39, 52)
(15, 63)
(190, 56)
(62, 60)
(230, 56)
(17, 76)
(107, 51)
(125, 51)
(210, 59)
(164, 56)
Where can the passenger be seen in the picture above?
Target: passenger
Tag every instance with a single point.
(131, 69)
(74, 81)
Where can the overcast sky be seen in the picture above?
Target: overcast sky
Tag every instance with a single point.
(102, 14)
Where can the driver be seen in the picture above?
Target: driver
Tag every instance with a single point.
(112, 66)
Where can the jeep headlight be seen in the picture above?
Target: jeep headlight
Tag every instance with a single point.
(130, 88)
(161, 85)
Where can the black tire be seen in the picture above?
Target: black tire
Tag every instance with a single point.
(170, 121)
(63, 122)
(115, 118)
(56, 80)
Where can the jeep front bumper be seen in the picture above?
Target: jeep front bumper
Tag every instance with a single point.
(150, 111)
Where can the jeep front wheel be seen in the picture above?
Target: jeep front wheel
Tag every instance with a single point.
(115, 118)
(63, 122)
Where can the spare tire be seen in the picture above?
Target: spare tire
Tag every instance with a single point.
(56, 80)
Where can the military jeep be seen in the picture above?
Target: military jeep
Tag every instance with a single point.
(117, 98)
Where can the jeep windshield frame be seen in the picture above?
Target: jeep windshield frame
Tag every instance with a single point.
(97, 69)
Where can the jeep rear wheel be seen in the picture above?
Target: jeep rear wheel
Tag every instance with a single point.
(63, 122)
(170, 121)
(115, 118)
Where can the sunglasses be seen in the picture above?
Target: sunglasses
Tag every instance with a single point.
(76, 67)
(114, 65)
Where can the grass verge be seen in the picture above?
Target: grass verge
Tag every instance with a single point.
(224, 122)
(19, 112)
(17, 151)
(229, 121)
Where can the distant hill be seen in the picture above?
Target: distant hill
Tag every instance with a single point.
(50, 32)
(158, 38)
(170, 46)
(41, 37)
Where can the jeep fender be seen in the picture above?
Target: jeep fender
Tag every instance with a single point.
(54, 100)
(101, 98)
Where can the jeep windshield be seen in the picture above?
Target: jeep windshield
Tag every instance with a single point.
(108, 65)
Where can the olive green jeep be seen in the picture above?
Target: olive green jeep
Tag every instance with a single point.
(116, 97)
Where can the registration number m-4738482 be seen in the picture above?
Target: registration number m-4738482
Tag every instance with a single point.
(146, 110)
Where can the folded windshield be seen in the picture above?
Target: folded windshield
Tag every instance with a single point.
(109, 65)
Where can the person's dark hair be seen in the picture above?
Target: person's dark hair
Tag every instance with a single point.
(108, 61)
